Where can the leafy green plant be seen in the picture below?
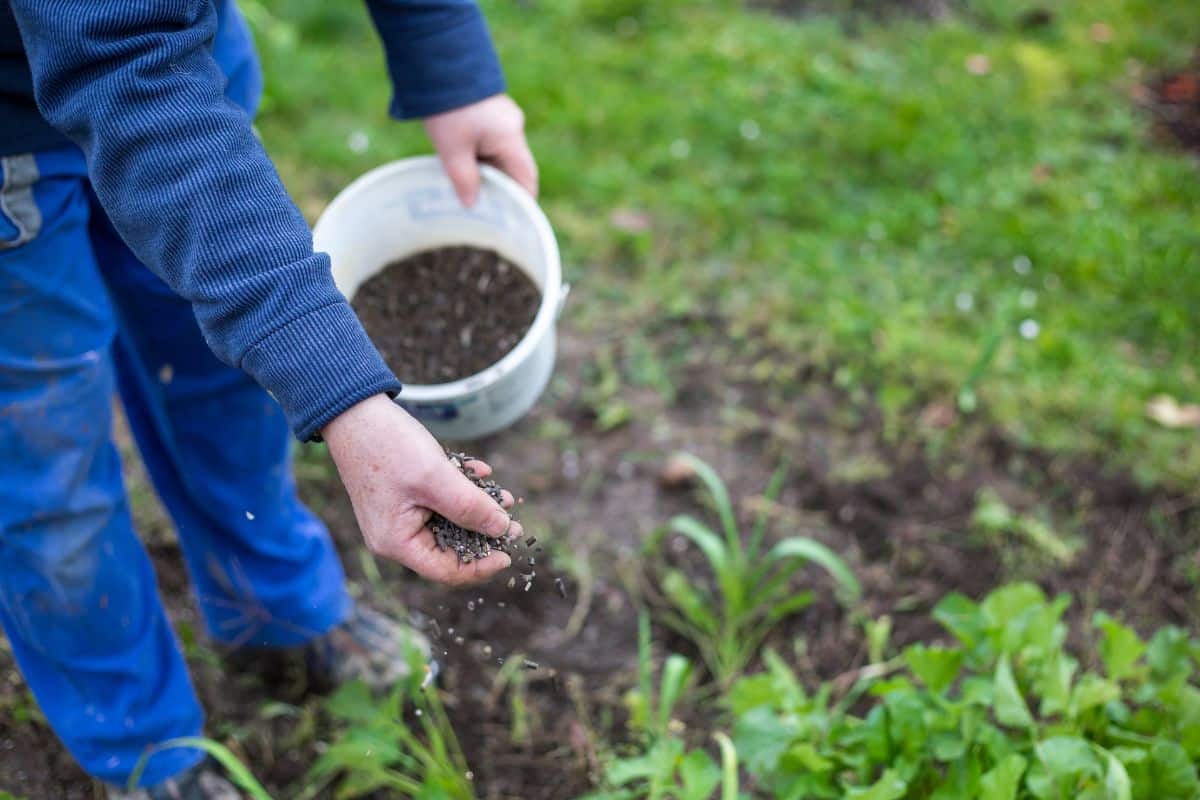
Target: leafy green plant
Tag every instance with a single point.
(664, 766)
(752, 581)
(1005, 713)
(381, 747)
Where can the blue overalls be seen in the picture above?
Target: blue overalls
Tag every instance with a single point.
(80, 317)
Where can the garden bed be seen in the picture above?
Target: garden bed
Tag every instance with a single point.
(901, 516)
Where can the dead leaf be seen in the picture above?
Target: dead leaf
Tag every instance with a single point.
(979, 64)
(938, 416)
(676, 473)
(1101, 32)
(630, 220)
(1167, 411)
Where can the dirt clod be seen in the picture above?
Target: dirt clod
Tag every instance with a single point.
(446, 314)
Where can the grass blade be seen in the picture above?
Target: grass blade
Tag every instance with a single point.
(774, 487)
(708, 542)
(814, 551)
(729, 767)
(238, 772)
(720, 499)
(676, 672)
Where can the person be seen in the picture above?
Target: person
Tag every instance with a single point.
(147, 244)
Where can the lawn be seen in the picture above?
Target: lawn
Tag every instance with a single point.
(904, 285)
(864, 201)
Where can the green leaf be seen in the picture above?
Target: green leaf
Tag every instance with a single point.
(1005, 605)
(1003, 781)
(774, 487)
(1010, 705)
(963, 618)
(1120, 647)
(1169, 655)
(879, 632)
(1065, 760)
(890, 786)
(1116, 779)
(817, 553)
(1054, 684)
(709, 543)
(763, 736)
(238, 772)
(1092, 691)
(804, 755)
(658, 763)
(947, 746)
(699, 775)
(720, 497)
(675, 673)
(936, 667)
(1173, 773)
(353, 703)
(729, 767)
(696, 609)
(752, 692)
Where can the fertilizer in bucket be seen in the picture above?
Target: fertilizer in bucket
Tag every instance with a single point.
(443, 315)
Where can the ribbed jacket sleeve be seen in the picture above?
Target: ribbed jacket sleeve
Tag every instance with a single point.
(189, 188)
(439, 54)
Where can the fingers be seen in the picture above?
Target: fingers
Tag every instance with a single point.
(480, 469)
(457, 499)
(444, 567)
(463, 171)
(515, 159)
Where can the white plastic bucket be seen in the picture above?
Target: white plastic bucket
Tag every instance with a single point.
(408, 206)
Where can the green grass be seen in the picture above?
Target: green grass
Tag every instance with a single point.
(836, 193)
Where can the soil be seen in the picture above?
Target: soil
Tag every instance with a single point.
(1175, 100)
(895, 502)
(443, 315)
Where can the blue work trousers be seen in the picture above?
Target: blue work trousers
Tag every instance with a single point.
(81, 318)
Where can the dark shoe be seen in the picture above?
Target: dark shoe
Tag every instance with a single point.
(201, 782)
(370, 647)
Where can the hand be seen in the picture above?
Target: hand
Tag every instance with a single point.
(396, 474)
(493, 131)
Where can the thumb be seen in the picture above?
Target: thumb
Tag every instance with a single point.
(465, 504)
(463, 170)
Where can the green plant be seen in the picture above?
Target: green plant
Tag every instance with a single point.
(239, 773)
(753, 582)
(383, 748)
(1005, 713)
(664, 766)
(995, 520)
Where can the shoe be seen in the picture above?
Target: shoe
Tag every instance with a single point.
(201, 782)
(369, 647)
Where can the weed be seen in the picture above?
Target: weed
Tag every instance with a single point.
(664, 766)
(994, 520)
(381, 748)
(238, 772)
(1006, 712)
(753, 581)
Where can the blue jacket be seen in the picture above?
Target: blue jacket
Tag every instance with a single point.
(134, 83)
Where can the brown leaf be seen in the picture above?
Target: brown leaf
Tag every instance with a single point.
(630, 220)
(676, 473)
(1166, 411)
